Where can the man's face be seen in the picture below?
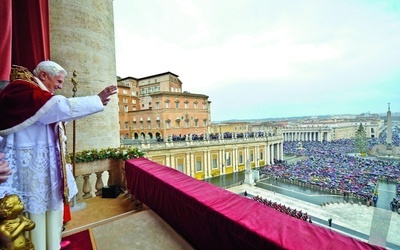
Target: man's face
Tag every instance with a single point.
(52, 82)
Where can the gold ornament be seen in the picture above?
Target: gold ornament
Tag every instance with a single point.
(13, 224)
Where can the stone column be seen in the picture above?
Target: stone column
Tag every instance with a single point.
(172, 163)
(235, 159)
(272, 152)
(167, 160)
(221, 162)
(209, 165)
(205, 164)
(192, 164)
(82, 39)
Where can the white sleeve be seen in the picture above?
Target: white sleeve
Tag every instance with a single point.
(68, 109)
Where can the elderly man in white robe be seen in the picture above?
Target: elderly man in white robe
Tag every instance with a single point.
(30, 117)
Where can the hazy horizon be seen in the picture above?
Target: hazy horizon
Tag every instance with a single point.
(264, 58)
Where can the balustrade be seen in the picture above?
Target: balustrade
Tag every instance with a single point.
(91, 176)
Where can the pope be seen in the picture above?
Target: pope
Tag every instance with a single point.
(31, 116)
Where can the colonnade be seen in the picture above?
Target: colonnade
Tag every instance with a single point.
(306, 135)
(204, 161)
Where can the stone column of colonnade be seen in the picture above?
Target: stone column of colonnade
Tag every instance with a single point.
(246, 156)
(168, 160)
(235, 160)
(305, 136)
(272, 153)
(192, 165)
(278, 151)
(82, 39)
(187, 165)
(256, 156)
(208, 175)
(221, 161)
(205, 164)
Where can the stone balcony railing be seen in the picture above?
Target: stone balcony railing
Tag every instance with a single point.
(91, 177)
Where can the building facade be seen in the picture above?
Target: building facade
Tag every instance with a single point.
(331, 130)
(155, 107)
(209, 157)
(230, 127)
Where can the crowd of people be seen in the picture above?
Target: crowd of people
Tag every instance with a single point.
(216, 136)
(331, 166)
(284, 209)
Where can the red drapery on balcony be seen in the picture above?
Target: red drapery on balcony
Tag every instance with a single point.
(25, 38)
(5, 39)
(213, 218)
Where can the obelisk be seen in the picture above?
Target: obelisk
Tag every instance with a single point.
(389, 129)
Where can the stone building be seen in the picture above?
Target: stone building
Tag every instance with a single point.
(328, 130)
(155, 107)
(209, 157)
(229, 127)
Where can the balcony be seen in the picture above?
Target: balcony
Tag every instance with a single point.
(103, 215)
(121, 223)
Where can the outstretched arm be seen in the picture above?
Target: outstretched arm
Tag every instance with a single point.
(67, 109)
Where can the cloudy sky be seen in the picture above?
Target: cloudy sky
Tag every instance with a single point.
(267, 58)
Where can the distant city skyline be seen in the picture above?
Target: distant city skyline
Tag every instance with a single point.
(267, 59)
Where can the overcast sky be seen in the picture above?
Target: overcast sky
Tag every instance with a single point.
(267, 58)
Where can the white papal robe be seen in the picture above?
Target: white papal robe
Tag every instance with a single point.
(33, 153)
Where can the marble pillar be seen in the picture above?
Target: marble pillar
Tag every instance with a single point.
(82, 39)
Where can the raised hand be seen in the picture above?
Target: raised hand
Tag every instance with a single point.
(106, 93)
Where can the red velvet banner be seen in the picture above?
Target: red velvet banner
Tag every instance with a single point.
(210, 217)
(24, 38)
(30, 35)
(5, 39)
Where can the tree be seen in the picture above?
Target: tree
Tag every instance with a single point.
(360, 140)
